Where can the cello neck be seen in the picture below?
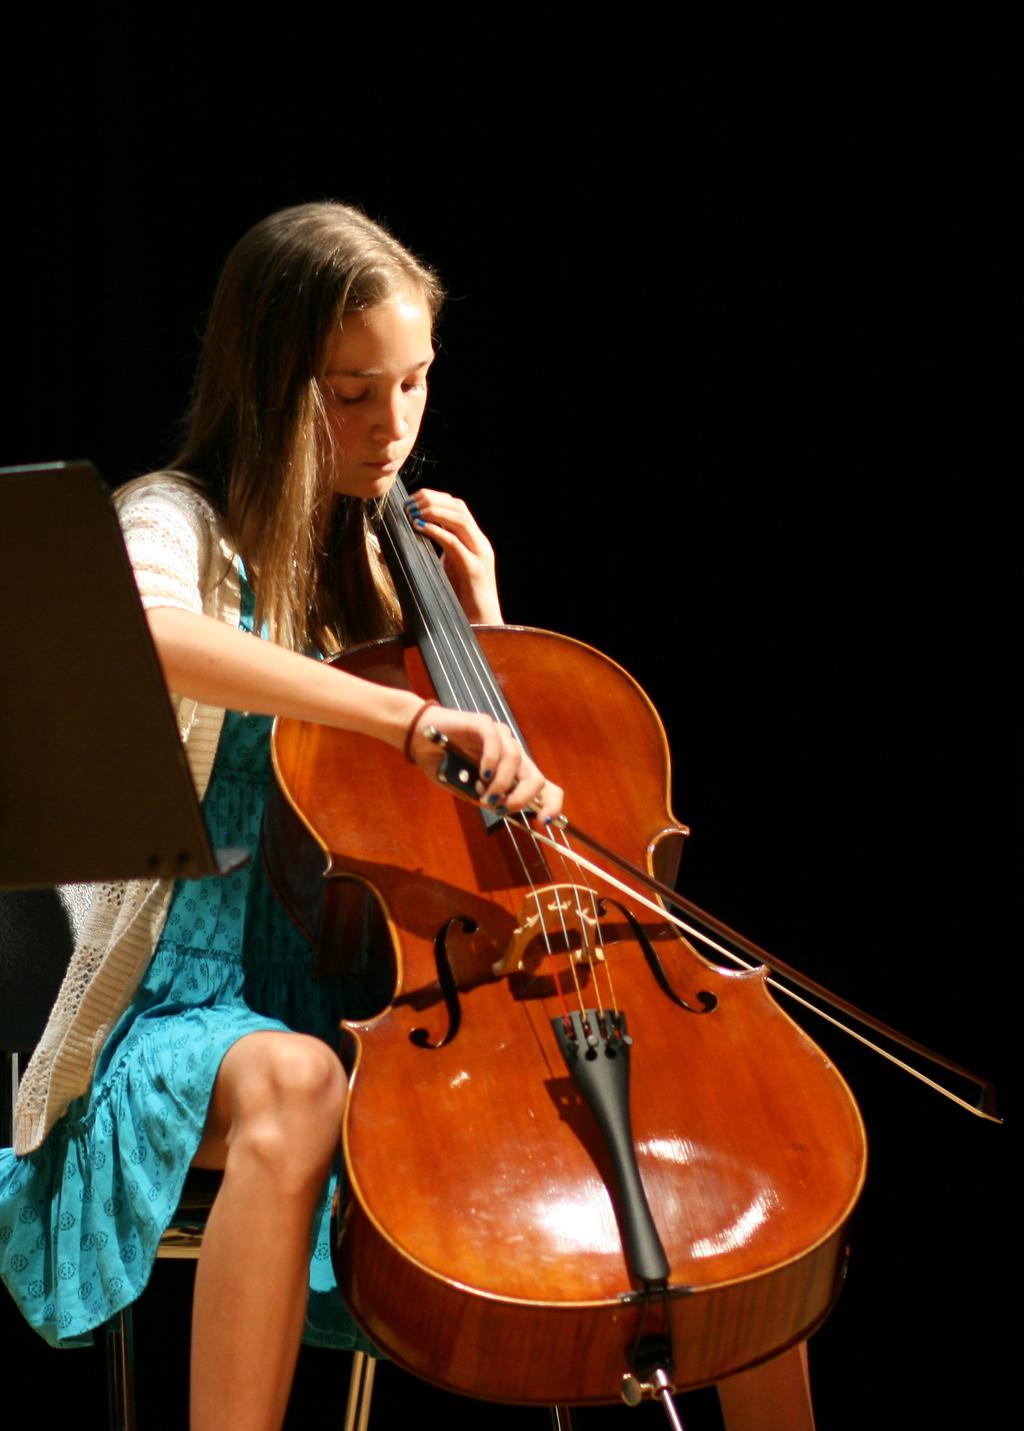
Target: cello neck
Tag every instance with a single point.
(434, 619)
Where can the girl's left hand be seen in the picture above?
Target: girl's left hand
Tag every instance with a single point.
(466, 554)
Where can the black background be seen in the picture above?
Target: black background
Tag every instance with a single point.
(720, 375)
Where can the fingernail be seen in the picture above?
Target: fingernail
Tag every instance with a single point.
(492, 799)
(419, 522)
(488, 774)
(548, 819)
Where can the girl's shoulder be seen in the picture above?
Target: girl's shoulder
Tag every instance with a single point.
(176, 541)
(170, 493)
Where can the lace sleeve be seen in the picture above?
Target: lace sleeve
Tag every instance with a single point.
(167, 530)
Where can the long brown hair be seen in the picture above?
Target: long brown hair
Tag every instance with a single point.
(258, 442)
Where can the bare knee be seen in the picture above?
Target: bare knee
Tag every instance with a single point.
(287, 1093)
(301, 1073)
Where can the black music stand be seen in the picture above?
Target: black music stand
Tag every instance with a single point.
(94, 784)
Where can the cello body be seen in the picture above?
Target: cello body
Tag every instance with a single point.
(481, 1241)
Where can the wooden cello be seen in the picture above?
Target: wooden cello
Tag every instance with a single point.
(576, 1149)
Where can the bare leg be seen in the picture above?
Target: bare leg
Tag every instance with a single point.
(775, 1396)
(273, 1126)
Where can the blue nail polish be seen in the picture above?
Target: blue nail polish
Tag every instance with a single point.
(488, 774)
(492, 799)
(419, 522)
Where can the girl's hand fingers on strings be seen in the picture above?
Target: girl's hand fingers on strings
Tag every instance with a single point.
(452, 516)
(467, 555)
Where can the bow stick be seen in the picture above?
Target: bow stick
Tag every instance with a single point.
(459, 773)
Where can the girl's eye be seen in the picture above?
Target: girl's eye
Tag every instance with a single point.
(419, 386)
(347, 399)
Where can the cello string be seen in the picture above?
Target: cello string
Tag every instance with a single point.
(511, 828)
(596, 957)
(571, 878)
(442, 622)
(534, 894)
(772, 982)
(414, 595)
(450, 623)
(446, 621)
(602, 956)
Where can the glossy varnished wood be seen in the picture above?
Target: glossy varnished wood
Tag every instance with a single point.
(480, 1246)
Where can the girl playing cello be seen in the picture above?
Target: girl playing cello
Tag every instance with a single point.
(190, 1029)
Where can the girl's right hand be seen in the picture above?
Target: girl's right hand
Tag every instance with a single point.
(510, 781)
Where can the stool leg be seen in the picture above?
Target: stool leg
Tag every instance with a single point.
(775, 1396)
(121, 1372)
(360, 1391)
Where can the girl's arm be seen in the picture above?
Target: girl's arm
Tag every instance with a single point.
(213, 663)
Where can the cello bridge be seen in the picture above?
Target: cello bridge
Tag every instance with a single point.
(554, 919)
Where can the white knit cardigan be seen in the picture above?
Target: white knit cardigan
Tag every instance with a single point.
(180, 557)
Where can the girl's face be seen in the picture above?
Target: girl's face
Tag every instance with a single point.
(375, 390)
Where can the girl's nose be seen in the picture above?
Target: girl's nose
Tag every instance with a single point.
(391, 419)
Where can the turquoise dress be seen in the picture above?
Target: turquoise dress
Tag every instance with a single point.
(80, 1218)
